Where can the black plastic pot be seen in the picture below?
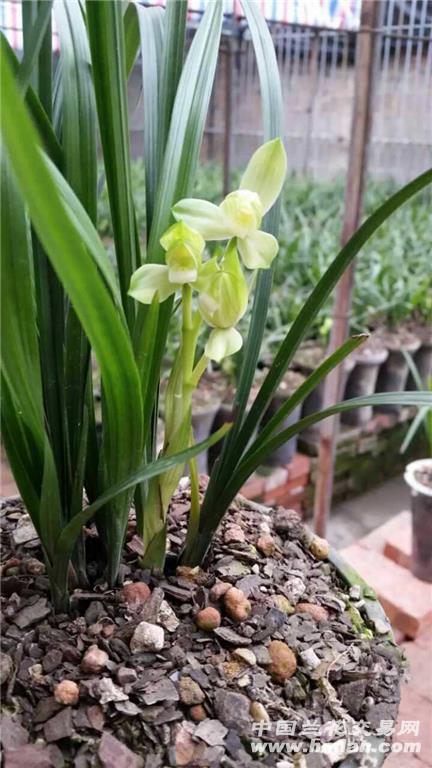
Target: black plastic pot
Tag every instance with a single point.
(423, 357)
(284, 455)
(362, 380)
(394, 373)
(418, 476)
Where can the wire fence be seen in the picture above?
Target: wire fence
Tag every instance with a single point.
(317, 67)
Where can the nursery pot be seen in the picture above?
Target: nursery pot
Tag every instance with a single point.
(362, 380)
(284, 455)
(423, 357)
(306, 360)
(418, 476)
(393, 375)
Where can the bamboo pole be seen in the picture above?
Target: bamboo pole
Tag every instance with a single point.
(360, 126)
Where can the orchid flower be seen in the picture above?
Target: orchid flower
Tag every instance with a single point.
(240, 213)
(184, 248)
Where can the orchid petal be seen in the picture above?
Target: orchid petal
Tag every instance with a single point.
(206, 218)
(149, 280)
(265, 172)
(222, 343)
(258, 250)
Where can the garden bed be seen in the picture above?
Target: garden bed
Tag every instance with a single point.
(310, 647)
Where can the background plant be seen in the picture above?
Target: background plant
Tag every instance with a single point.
(63, 297)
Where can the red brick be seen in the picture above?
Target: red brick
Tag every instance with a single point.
(277, 479)
(415, 707)
(299, 467)
(420, 669)
(424, 640)
(406, 600)
(254, 488)
(398, 539)
(396, 529)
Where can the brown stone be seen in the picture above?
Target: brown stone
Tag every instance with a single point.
(218, 590)
(135, 594)
(266, 544)
(236, 604)
(208, 619)
(67, 693)
(283, 661)
(198, 713)
(94, 660)
(317, 612)
(319, 547)
(258, 712)
(283, 604)
(190, 692)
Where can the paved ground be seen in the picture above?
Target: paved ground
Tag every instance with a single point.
(351, 520)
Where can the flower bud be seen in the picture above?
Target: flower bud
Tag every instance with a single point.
(224, 294)
(184, 247)
(244, 209)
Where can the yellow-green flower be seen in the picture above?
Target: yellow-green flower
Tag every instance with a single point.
(241, 212)
(184, 248)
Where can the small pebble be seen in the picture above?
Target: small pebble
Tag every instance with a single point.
(236, 604)
(320, 548)
(147, 637)
(126, 676)
(198, 713)
(218, 590)
(317, 612)
(283, 604)
(67, 693)
(34, 566)
(258, 712)
(283, 661)
(208, 619)
(246, 655)
(190, 692)
(266, 544)
(135, 594)
(234, 534)
(94, 660)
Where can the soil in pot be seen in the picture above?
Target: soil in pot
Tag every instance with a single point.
(368, 359)
(290, 382)
(176, 670)
(393, 375)
(418, 476)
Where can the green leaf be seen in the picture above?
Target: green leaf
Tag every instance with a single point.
(172, 62)
(106, 37)
(34, 44)
(152, 43)
(78, 133)
(77, 269)
(37, 111)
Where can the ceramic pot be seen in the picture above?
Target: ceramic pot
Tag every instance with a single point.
(418, 476)
(362, 380)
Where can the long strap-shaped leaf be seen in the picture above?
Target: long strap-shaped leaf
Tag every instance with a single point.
(152, 42)
(78, 272)
(36, 39)
(254, 459)
(38, 113)
(316, 300)
(106, 37)
(78, 134)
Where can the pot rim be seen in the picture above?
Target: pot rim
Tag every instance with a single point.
(411, 480)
